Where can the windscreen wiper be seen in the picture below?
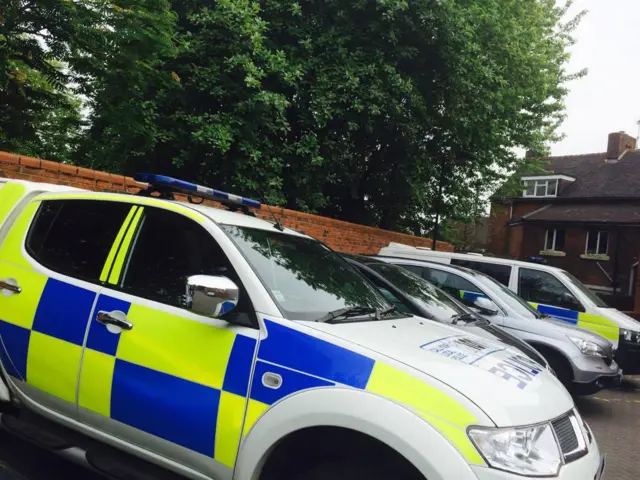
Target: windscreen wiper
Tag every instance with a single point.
(348, 312)
(387, 311)
(464, 317)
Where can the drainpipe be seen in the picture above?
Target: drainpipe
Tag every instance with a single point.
(616, 260)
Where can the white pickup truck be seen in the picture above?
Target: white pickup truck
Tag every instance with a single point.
(150, 338)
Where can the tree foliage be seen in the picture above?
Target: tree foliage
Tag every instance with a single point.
(376, 111)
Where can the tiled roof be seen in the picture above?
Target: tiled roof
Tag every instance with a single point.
(610, 212)
(597, 178)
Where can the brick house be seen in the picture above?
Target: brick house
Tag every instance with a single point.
(582, 214)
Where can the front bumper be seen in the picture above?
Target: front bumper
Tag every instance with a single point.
(589, 467)
(628, 356)
(590, 369)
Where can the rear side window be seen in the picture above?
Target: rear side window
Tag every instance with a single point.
(74, 237)
(501, 273)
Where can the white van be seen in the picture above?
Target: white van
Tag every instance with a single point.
(549, 289)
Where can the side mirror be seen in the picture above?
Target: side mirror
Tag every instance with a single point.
(486, 306)
(211, 296)
(568, 299)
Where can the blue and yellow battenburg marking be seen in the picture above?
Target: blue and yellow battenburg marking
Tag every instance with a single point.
(169, 381)
(595, 323)
(589, 321)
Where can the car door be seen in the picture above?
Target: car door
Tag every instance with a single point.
(161, 377)
(52, 257)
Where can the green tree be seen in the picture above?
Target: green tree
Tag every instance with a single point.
(218, 121)
(383, 112)
(401, 97)
(54, 52)
(123, 79)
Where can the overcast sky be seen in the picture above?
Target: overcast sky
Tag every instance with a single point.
(608, 98)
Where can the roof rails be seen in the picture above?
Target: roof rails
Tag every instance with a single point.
(166, 186)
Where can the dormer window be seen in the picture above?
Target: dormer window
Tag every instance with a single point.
(543, 186)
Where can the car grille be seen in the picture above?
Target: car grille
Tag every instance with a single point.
(570, 437)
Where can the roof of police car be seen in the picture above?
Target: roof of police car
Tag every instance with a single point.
(227, 217)
(218, 215)
(447, 267)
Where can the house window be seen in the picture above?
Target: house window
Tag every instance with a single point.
(597, 243)
(554, 240)
(540, 188)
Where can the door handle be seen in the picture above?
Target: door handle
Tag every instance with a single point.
(110, 318)
(11, 286)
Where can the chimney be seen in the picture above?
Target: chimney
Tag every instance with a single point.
(619, 143)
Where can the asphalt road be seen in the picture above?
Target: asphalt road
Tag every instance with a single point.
(20, 460)
(614, 416)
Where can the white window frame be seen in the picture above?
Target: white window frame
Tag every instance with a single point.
(537, 183)
(597, 252)
(553, 243)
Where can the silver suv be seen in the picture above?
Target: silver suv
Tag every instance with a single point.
(582, 360)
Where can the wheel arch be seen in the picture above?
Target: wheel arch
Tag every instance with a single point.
(345, 409)
(545, 349)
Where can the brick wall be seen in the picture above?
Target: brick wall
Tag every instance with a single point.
(341, 236)
(498, 236)
(516, 234)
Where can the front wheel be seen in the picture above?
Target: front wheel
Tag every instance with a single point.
(561, 367)
(351, 471)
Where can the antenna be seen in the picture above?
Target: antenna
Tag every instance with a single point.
(277, 225)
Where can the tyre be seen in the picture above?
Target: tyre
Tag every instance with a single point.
(7, 473)
(351, 471)
(585, 389)
(561, 367)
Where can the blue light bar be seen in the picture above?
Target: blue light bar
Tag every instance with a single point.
(170, 183)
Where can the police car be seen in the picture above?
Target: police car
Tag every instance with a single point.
(151, 338)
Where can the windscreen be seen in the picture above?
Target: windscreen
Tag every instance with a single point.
(432, 299)
(597, 301)
(306, 279)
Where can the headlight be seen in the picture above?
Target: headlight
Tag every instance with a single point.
(588, 347)
(531, 451)
(630, 335)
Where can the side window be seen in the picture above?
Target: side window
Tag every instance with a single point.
(542, 287)
(501, 273)
(450, 283)
(74, 237)
(169, 248)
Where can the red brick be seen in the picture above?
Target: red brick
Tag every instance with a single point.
(13, 175)
(6, 157)
(29, 161)
(104, 176)
(84, 181)
(46, 174)
(68, 169)
(50, 166)
(86, 173)
(9, 167)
